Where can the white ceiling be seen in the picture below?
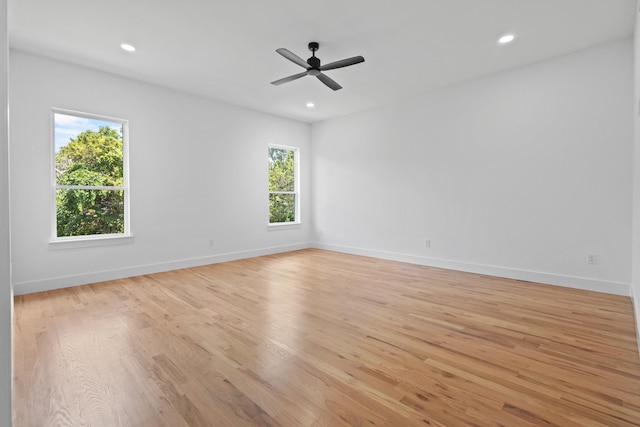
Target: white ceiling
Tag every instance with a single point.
(225, 50)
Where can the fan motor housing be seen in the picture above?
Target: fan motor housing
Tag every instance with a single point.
(314, 63)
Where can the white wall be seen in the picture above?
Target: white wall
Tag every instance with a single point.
(520, 174)
(635, 253)
(198, 172)
(6, 293)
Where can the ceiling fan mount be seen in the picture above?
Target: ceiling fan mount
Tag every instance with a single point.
(314, 67)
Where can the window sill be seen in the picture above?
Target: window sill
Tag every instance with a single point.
(283, 225)
(89, 241)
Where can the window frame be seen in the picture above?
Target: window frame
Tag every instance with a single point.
(296, 186)
(91, 239)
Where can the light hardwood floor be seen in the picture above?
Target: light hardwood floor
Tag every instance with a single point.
(316, 338)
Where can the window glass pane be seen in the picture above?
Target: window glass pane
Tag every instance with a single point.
(281, 169)
(88, 151)
(89, 212)
(282, 208)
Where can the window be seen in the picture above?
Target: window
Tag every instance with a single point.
(283, 185)
(90, 183)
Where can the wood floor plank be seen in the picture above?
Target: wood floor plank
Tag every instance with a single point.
(318, 338)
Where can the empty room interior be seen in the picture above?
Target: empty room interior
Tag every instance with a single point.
(363, 213)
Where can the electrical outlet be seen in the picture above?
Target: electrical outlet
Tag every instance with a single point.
(592, 259)
(211, 242)
(427, 243)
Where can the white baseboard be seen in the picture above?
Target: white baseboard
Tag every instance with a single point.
(635, 299)
(530, 276)
(102, 276)
(583, 283)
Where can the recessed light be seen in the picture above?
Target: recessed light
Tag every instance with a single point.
(128, 47)
(310, 105)
(507, 38)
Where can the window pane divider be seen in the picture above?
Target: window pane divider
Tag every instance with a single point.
(88, 187)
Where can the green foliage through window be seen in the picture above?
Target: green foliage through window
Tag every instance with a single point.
(88, 212)
(282, 185)
(89, 169)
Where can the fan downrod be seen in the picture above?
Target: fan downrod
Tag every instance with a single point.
(314, 63)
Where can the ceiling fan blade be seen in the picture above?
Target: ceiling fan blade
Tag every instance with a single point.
(289, 79)
(342, 63)
(292, 57)
(329, 81)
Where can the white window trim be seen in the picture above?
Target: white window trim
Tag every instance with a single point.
(65, 242)
(296, 189)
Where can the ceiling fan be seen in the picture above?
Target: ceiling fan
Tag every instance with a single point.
(313, 67)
